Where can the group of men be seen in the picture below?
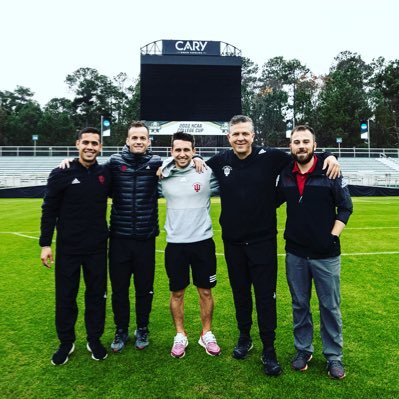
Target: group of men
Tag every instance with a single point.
(245, 178)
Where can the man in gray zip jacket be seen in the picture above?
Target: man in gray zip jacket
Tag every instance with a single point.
(189, 240)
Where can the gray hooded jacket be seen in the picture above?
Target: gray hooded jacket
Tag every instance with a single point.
(187, 195)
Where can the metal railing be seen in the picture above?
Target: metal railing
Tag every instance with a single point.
(29, 166)
(70, 151)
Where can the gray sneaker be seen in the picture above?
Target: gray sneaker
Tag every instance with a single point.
(335, 369)
(141, 335)
(301, 360)
(119, 341)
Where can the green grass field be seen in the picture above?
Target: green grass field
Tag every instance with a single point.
(370, 308)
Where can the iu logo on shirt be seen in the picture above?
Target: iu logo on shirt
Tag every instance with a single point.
(197, 187)
(101, 179)
(123, 168)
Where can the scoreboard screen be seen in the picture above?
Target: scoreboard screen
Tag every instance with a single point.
(178, 92)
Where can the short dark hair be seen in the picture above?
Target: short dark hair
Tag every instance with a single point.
(183, 136)
(302, 128)
(241, 119)
(88, 130)
(139, 124)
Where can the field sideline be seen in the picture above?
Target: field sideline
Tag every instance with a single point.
(370, 308)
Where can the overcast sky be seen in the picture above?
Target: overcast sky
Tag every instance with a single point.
(42, 41)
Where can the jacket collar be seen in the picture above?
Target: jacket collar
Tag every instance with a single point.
(135, 158)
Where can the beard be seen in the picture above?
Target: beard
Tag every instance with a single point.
(303, 158)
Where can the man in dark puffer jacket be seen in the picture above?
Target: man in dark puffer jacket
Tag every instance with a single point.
(133, 228)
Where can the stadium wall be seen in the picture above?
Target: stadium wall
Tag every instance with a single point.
(355, 191)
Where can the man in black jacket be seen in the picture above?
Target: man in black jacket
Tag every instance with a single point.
(247, 179)
(134, 226)
(75, 203)
(317, 211)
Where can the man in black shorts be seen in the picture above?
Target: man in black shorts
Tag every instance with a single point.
(189, 240)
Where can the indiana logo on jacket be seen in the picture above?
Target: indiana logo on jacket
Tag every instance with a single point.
(197, 187)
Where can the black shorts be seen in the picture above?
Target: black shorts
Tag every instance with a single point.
(199, 255)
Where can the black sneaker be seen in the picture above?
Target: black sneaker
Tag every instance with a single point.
(141, 335)
(61, 356)
(301, 360)
(335, 369)
(244, 345)
(119, 341)
(97, 349)
(270, 364)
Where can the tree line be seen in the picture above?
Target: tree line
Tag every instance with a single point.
(278, 92)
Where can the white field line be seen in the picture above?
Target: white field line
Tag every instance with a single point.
(370, 201)
(346, 228)
(23, 235)
(19, 232)
(371, 228)
(222, 254)
(346, 254)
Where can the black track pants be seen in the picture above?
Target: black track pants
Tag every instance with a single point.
(67, 279)
(129, 257)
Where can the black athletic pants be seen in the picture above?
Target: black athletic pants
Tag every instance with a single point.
(129, 257)
(254, 265)
(67, 279)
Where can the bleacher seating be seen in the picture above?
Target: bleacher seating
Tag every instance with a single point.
(28, 171)
(24, 171)
(371, 171)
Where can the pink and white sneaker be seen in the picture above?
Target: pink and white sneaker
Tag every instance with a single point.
(208, 341)
(180, 343)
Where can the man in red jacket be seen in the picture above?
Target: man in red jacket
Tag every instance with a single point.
(317, 211)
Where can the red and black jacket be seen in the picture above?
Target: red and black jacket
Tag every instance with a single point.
(311, 216)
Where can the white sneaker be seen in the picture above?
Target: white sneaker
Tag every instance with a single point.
(180, 343)
(208, 341)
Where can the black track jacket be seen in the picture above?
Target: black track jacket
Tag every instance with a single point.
(248, 193)
(75, 203)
